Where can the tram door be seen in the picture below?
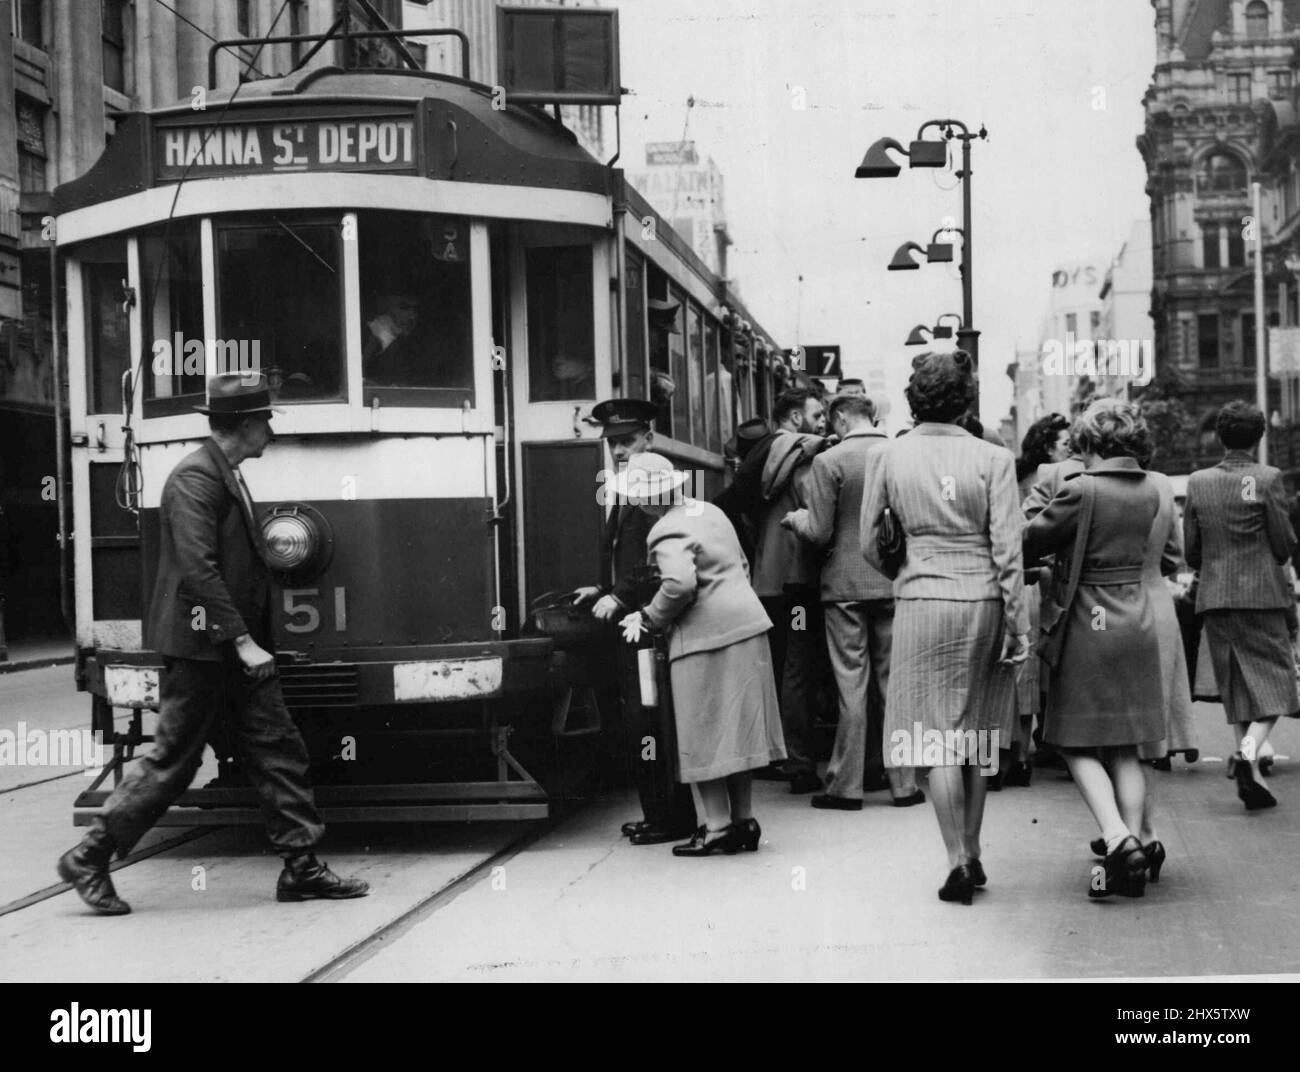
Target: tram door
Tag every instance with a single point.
(103, 335)
(560, 361)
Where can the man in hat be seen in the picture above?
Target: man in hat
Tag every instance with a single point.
(667, 808)
(210, 620)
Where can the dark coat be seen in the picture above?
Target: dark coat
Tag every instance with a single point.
(742, 499)
(1107, 688)
(209, 560)
(623, 551)
(1237, 533)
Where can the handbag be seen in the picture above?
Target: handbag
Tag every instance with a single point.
(1055, 616)
(891, 544)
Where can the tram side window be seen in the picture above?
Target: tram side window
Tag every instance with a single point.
(416, 327)
(717, 389)
(695, 374)
(108, 334)
(677, 362)
(635, 302)
(661, 327)
(172, 273)
(561, 336)
(280, 306)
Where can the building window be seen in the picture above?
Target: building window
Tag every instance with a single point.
(1239, 88)
(244, 18)
(1279, 84)
(1071, 323)
(1094, 324)
(1210, 246)
(1257, 19)
(113, 14)
(1221, 173)
(1236, 248)
(31, 146)
(28, 25)
(1248, 340)
(1207, 340)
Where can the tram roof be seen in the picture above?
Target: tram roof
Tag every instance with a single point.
(458, 134)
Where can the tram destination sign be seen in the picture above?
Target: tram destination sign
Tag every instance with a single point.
(361, 143)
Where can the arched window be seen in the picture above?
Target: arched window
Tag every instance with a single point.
(1257, 19)
(1221, 172)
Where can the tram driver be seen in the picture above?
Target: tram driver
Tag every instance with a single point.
(388, 353)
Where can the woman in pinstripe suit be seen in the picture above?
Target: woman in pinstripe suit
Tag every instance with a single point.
(960, 621)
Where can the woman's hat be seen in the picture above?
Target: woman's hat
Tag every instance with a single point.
(649, 479)
(238, 392)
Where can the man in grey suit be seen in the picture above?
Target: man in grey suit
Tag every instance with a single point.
(857, 604)
(1238, 534)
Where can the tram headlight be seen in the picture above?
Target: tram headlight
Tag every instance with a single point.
(298, 540)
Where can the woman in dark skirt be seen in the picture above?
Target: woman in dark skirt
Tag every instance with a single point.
(960, 624)
(1106, 697)
(724, 695)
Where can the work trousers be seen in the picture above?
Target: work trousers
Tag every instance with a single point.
(652, 750)
(795, 637)
(858, 636)
(267, 744)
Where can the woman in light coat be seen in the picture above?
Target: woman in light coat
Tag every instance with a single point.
(960, 620)
(724, 696)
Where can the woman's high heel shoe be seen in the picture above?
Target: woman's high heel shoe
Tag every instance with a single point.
(960, 886)
(977, 873)
(750, 833)
(1098, 847)
(727, 840)
(1155, 854)
(1124, 871)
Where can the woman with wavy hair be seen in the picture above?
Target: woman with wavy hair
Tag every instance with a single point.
(960, 622)
(1105, 698)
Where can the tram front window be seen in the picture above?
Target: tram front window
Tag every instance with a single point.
(280, 306)
(108, 339)
(416, 338)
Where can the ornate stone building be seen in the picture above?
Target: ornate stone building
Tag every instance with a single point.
(1224, 79)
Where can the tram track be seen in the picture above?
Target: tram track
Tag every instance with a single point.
(339, 967)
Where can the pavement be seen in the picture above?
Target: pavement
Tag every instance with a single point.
(828, 896)
(37, 653)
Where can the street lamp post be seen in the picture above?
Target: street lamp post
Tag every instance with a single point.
(877, 164)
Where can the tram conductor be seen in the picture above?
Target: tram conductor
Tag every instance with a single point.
(667, 808)
(209, 618)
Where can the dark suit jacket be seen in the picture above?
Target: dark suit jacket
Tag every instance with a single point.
(623, 550)
(1237, 534)
(210, 557)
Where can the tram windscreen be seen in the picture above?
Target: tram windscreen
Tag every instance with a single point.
(416, 327)
(561, 335)
(171, 269)
(280, 305)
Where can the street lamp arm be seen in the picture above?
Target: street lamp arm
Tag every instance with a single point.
(965, 130)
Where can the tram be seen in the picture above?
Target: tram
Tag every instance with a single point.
(420, 496)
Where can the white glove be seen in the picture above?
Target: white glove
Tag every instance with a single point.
(633, 625)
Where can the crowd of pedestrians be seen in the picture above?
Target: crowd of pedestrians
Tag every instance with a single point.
(977, 615)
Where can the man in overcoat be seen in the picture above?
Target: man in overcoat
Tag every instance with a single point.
(1237, 533)
(210, 620)
(666, 805)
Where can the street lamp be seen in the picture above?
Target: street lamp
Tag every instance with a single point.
(878, 164)
(936, 252)
(916, 337)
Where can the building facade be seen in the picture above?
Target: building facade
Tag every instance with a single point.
(1221, 100)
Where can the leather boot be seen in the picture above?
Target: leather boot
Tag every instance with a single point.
(85, 868)
(305, 878)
